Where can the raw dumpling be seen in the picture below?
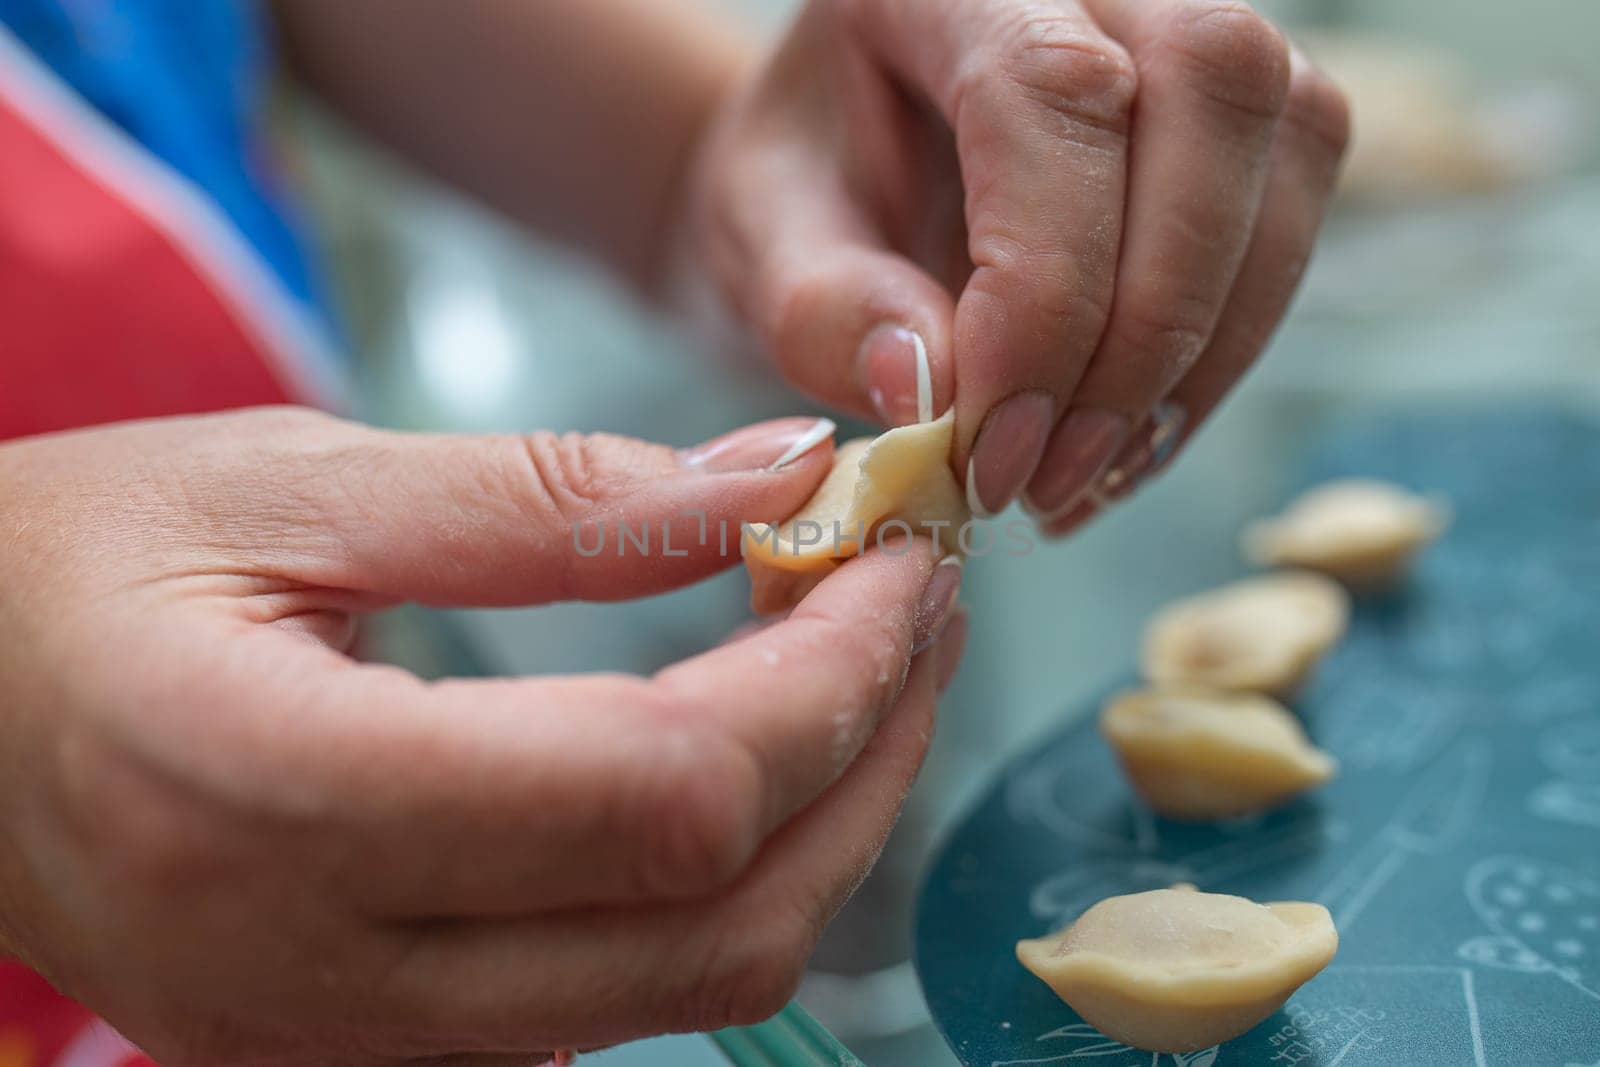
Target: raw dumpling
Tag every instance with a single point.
(1175, 970)
(1364, 533)
(1198, 754)
(1261, 635)
(903, 474)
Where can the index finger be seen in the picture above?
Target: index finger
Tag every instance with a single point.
(1040, 100)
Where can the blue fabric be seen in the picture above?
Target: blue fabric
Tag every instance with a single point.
(187, 80)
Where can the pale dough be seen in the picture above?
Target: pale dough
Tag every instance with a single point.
(903, 474)
(1176, 970)
(1364, 533)
(1261, 635)
(1198, 754)
(1425, 126)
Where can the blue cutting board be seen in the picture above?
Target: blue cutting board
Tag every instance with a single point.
(1458, 850)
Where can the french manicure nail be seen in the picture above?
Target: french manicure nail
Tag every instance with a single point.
(893, 367)
(1007, 451)
(820, 431)
(1079, 451)
(933, 610)
(769, 446)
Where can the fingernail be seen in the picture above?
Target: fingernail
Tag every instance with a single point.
(1007, 451)
(1081, 448)
(937, 600)
(769, 446)
(951, 647)
(893, 366)
(1149, 451)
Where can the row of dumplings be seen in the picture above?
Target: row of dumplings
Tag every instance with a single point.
(1177, 970)
(1209, 737)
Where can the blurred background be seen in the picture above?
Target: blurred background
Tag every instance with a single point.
(1461, 268)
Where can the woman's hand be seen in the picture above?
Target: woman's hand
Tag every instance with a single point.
(1091, 214)
(240, 845)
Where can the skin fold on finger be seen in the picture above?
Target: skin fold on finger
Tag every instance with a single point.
(1039, 99)
(589, 977)
(1213, 77)
(473, 796)
(335, 629)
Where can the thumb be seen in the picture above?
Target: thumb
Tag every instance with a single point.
(536, 518)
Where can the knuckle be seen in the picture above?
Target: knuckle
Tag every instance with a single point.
(702, 816)
(1234, 55)
(1086, 78)
(1318, 108)
(1047, 287)
(554, 475)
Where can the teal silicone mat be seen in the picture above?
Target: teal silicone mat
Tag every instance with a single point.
(1459, 849)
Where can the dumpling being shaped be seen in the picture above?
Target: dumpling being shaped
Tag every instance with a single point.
(900, 476)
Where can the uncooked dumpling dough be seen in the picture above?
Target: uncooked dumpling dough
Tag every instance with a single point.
(1261, 635)
(1426, 130)
(1175, 970)
(903, 475)
(1364, 533)
(1200, 754)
